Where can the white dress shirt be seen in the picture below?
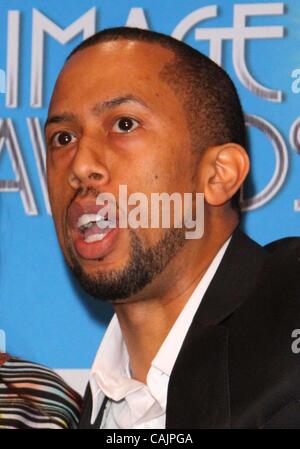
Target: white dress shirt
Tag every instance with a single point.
(133, 404)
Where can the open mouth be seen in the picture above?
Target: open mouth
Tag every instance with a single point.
(94, 227)
(94, 235)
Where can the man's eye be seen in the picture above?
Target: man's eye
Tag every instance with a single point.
(62, 139)
(125, 125)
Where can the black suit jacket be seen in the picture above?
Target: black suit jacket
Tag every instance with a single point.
(236, 368)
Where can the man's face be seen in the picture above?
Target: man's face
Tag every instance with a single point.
(113, 121)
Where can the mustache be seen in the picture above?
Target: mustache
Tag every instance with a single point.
(84, 192)
(81, 192)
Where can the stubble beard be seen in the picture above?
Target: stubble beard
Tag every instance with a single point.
(143, 266)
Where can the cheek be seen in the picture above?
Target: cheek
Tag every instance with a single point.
(172, 176)
(54, 190)
(57, 215)
(59, 164)
(57, 180)
(58, 192)
(52, 174)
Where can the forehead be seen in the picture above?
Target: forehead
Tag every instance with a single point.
(112, 68)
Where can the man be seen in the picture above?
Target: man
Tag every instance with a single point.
(201, 336)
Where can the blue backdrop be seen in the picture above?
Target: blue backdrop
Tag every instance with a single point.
(43, 315)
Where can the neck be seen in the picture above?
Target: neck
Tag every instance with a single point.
(146, 321)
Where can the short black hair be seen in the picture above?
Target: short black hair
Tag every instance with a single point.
(210, 99)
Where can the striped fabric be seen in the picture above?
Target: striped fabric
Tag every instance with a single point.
(34, 397)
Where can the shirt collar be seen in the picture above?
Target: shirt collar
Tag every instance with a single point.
(110, 374)
(169, 350)
(111, 367)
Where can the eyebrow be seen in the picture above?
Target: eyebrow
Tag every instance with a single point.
(102, 106)
(60, 118)
(97, 109)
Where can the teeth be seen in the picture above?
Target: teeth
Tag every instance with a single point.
(86, 219)
(103, 224)
(94, 238)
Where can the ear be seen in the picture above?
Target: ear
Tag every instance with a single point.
(227, 167)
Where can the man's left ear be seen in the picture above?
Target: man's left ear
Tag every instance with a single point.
(228, 166)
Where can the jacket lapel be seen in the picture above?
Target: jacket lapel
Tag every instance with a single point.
(85, 419)
(198, 394)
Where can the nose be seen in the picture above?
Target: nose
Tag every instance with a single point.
(88, 168)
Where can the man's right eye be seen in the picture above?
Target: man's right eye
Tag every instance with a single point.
(62, 139)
